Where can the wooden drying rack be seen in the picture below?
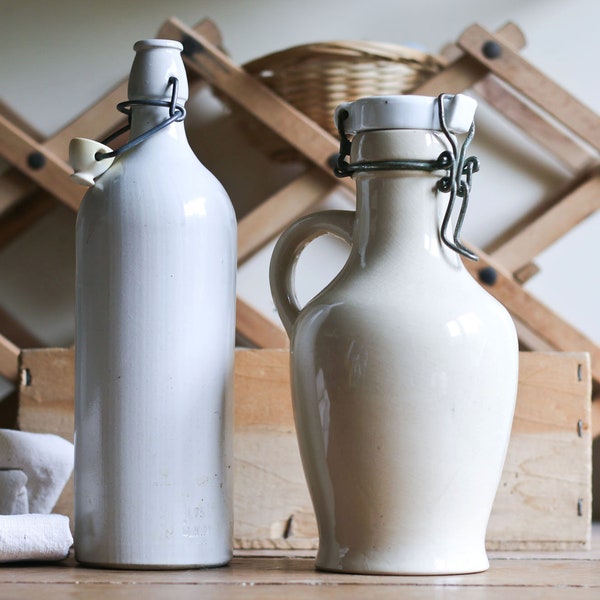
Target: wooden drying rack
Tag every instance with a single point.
(487, 62)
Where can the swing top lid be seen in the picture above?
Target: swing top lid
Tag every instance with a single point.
(406, 112)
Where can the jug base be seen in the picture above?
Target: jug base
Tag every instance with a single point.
(365, 565)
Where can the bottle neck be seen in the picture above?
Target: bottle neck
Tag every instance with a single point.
(144, 118)
(157, 74)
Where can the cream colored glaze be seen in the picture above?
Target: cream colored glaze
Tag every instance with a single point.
(404, 376)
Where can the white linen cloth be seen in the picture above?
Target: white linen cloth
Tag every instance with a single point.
(34, 468)
(13, 493)
(47, 461)
(34, 537)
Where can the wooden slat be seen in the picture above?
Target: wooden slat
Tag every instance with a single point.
(221, 72)
(24, 214)
(9, 359)
(469, 74)
(275, 213)
(568, 151)
(95, 123)
(14, 186)
(532, 239)
(543, 485)
(16, 146)
(532, 83)
(256, 329)
(547, 467)
(14, 117)
(464, 71)
(595, 418)
(526, 307)
(16, 332)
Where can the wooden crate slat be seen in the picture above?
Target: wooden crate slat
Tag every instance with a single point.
(544, 498)
(544, 487)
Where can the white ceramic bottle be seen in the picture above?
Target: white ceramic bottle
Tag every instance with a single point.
(155, 319)
(404, 369)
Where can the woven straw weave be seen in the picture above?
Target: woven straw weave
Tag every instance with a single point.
(315, 78)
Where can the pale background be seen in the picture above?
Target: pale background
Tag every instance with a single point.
(58, 57)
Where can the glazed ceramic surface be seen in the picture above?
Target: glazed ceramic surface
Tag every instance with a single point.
(404, 376)
(156, 261)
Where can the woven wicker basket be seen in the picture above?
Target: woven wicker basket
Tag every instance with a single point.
(315, 78)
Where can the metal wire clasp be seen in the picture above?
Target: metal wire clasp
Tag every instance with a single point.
(176, 113)
(457, 182)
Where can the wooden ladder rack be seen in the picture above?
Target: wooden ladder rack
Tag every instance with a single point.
(488, 63)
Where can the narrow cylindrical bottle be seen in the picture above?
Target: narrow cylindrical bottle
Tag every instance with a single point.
(155, 319)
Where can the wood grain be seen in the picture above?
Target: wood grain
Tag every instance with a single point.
(543, 501)
(566, 576)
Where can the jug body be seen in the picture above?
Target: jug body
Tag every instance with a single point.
(404, 374)
(155, 310)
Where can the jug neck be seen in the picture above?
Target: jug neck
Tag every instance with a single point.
(400, 211)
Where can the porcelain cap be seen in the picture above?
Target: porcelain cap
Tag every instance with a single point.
(407, 112)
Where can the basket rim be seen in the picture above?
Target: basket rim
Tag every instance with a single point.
(344, 49)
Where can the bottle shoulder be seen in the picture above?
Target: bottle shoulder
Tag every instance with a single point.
(359, 295)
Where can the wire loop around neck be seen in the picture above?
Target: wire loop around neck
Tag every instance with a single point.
(457, 182)
(176, 113)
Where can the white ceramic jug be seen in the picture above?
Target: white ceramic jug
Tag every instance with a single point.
(156, 264)
(404, 369)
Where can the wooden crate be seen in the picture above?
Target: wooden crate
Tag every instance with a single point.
(543, 501)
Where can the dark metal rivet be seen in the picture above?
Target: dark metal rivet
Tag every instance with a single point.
(491, 49)
(332, 161)
(190, 46)
(488, 275)
(25, 377)
(36, 160)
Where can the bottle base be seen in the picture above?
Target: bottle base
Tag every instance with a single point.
(102, 564)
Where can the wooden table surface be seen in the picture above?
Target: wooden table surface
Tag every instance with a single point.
(522, 575)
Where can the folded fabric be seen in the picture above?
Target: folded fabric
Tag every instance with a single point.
(47, 461)
(13, 493)
(34, 537)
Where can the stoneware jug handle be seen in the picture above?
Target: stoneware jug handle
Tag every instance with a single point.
(288, 249)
